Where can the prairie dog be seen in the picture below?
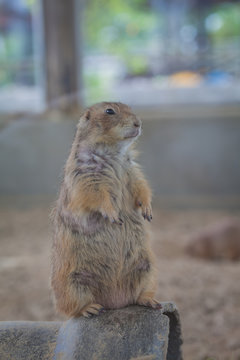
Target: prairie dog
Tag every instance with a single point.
(101, 257)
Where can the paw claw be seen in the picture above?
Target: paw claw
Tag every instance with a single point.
(147, 213)
(117, 221)
(120, 221)
(92, 309)
(111, 215)
(89, 314)
(149, 302)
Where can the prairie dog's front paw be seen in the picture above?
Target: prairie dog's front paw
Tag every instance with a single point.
(112, 216)
(146, 209)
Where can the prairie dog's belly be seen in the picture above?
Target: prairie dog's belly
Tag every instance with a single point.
(115, 298)
(111, 244)
(114, 261)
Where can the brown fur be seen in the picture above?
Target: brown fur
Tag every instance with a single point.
(101, 256)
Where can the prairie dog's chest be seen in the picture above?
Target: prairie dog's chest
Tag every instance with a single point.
(112, 170)
(125, 181)
(118, 171)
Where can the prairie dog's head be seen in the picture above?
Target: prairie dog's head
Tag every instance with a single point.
(110, 123)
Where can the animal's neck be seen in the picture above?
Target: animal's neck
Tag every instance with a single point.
(87, 151)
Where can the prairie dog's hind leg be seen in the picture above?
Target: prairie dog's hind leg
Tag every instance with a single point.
(92, 309)
(74, 297)
(146, 296)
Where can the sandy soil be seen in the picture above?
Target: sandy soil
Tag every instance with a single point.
(206, 293)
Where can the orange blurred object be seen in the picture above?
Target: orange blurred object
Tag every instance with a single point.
(185, 79)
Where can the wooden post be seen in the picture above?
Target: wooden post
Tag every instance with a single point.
(61, 54)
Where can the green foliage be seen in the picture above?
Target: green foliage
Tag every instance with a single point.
(121, 28)
(118, 26)
(10, 54)
(98, 88)
(137, 65)
(229, 13)
(30, 3)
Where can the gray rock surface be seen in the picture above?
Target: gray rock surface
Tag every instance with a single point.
(132, 333)
(27, 340)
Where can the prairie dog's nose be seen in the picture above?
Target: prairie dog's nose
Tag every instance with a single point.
(136, 123)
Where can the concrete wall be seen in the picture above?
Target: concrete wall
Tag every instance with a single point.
(188, 158)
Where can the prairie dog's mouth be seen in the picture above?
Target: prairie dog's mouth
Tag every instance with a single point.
(133, 133)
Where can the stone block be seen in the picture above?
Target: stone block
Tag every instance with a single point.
(131, 333)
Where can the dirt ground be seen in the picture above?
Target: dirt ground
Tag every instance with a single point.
(206, 293)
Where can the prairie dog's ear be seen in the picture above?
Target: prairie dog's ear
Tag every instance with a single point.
(87, 114)
(84, 118)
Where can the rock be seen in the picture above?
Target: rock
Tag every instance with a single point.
(132, 333)
(217, 241)
(25, 340)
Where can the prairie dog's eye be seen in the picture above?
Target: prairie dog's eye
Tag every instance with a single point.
(110, 111)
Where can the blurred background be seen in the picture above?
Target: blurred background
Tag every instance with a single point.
(177, 64)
